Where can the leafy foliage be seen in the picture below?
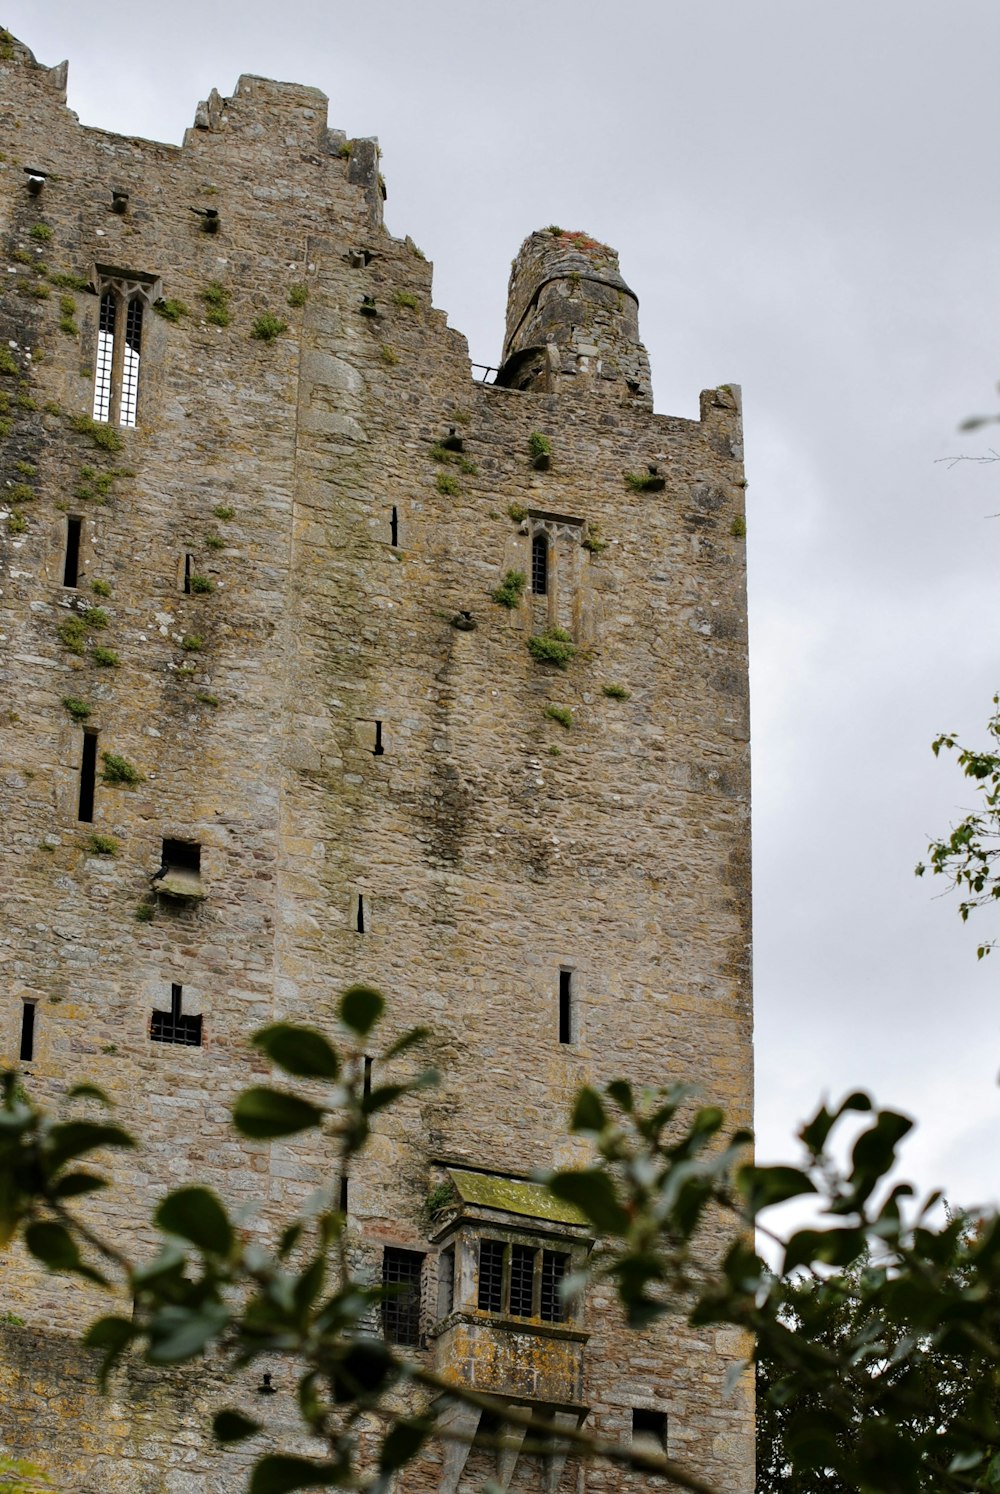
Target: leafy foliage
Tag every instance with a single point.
(970, 856)
(553, 646)
(510, 591)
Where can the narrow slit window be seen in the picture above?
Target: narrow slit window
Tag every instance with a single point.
(175, 1026)
(522, 1279)
(188, 567)
(366, 1081)
(394, 526)
(71, 568)
(401, 1306)
(446, 1281)
(565, 1006)
(361, 913)
(378, 750)
(491, 1254)
(88, 777)
(540, 565)
(343, 1193)
(27, 1051)
(554, 1266)
(105, 356)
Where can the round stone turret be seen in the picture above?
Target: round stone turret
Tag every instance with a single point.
(570, 315)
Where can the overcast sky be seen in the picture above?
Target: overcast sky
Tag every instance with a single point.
(804, 199)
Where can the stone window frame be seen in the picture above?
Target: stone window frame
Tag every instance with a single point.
(560, 1313)
(114, 403)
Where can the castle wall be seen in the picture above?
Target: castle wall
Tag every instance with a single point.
(492, 846)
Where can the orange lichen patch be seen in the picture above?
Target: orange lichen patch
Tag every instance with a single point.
(582, 240)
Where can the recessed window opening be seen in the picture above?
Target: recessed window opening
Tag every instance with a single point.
(394, 525)
(175, 1026)
(366, 1080)
(181, 855)
(343, 1194)
(188, 567)
(71, 568)
(522, 1275)
(540, 565)
(554, 1265)
(88, 777)
(401, 1307)
(649, 1428)
(361, 913)
(491, 1253)
(27, 1051)
(378, 749)
(565, 1006)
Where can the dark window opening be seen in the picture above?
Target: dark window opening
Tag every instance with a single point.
(394, 526)
(361, 913)
(188, 563)
(378, 749)
(522, 1277)
(366, 1081)
(88, 777)
(446, 1281)
(491, 1253)
(27, 1031)
(650, 1427)
(343, 1194)
(71, 570)
(174, 1026)
(540, 565)
(130, 365)
(565, 1006)
(401, 1308)
(181, 855)
(554, 1266)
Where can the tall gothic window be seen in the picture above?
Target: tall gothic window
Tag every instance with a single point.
(119, 348)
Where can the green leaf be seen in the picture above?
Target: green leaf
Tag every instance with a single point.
(196, 1215)
(88, 1092)
(593, 1193)
(401, 1444)
(53, 1245)
(621, 1092)
(301, 1051)
(360, 1008)
(75, 1184)
(75, 1138)
(179, 1333)
(113, 1335)
(264, 1114)
(233, 1426)
(588, 1112)
(764, 1187)
(277, 1473)
(383, 1095)
(410, 1039)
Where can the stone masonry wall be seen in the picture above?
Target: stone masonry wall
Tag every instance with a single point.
(492, 846)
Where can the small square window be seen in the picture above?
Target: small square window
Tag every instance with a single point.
(649, 1429)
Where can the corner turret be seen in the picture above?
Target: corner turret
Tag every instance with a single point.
(571, 315)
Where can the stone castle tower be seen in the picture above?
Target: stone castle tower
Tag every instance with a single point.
(253, 511)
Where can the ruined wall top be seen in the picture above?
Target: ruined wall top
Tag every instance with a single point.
(570, 313)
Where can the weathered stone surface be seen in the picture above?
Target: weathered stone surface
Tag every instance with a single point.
(492, 846)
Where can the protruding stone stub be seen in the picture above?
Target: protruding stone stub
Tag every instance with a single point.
(571, 315)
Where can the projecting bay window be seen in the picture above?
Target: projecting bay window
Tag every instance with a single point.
(124, 299)
(521, 1281)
